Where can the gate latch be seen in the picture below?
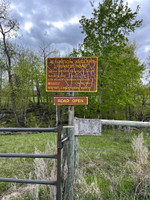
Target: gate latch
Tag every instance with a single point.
(60, 143)
(64, 140)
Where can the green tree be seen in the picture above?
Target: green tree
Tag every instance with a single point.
(148, 69)
(8, 29)
(27, 76)
(141, 99)
(121, 80)
(121, 84)
(106, 35)
(110, 25)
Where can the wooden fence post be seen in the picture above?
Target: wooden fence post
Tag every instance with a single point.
(76, 157)
(76, 142)
(68, 164)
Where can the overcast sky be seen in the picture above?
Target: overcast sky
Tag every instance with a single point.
(56, 22)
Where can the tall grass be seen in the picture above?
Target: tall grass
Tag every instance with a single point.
(45, 169)
(140, 168)
(83, 189)
(126, 178)
(110, 168)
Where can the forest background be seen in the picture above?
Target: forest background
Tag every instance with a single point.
(122, 93)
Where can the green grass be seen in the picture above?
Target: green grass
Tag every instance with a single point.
(26, 143)
(104, 157)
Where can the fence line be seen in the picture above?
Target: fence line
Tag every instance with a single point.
(125, 123)
(104, 150)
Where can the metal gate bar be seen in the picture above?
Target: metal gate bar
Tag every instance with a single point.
(29, 129)
(28, 181)
(54, 156)
(28, 155)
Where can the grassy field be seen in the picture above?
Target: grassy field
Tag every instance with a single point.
(105, 162)
(25, 143)
(107, 166)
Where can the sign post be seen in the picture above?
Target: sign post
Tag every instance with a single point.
(71, 111)
(71, 75)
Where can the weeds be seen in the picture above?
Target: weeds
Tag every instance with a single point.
(84, 190)
(128, 181)
(33, 121)
(45, 169)
(140, 168)
(103, 175)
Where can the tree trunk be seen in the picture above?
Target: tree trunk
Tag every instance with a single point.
(38, 93)
(13, 97)
(100, 89)
(1, 89)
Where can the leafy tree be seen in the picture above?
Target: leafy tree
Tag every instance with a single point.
(8, 29)
(121, 80)
(27, 76)
(148, 69)
(141, 99)
(121, 84)
(110, 25)
(106, 35)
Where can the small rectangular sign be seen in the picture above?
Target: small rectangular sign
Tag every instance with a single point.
(70, 101)
(90, 127)
(71, 74)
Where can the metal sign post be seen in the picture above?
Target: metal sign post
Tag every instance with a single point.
(71, 74)
(71, 111)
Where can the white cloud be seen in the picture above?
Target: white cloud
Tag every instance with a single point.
(60, 25)
(28, 26)
(74, 20)
(12, 6)
(21, 14)
(147, 48)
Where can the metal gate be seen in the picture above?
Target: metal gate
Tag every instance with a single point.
(57, 156)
